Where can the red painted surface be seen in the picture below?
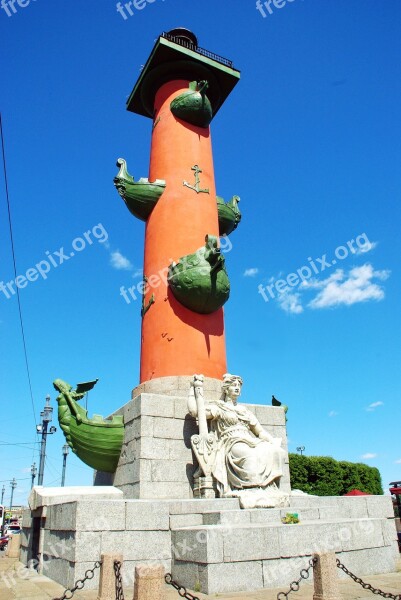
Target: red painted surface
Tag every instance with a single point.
(175, 340)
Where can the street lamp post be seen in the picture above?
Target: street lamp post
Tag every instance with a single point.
(13, 484)
(34, 472)
(46, 415)
(65, 454)
(2, 494)
(301, 449)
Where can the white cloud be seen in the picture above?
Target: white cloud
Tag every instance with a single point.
(120, 262)
(339, 289)
(251, 272)
(368, 455)
(398, 461)
(333, 413)
(374, 405)
(364, 249)
(290, 302)
(137, 273)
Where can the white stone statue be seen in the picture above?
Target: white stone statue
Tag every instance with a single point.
(244, 459)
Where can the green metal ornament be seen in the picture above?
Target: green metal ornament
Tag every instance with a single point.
(229, 215)
(140, 196)
(199, 281)
(96, 441)
(193, 106)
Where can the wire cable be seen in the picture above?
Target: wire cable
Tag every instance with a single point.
(15, 269)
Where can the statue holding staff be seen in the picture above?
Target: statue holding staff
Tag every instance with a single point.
(246, 461)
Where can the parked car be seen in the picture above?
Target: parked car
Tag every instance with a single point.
(4, 542)
(12, 529)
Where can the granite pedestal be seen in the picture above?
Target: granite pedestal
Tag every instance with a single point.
(149, 515)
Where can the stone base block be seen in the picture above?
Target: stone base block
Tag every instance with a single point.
(156, 460)
(211, 545)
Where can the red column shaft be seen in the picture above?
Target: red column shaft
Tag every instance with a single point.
(175, 340)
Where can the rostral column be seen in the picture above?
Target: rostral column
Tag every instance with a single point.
(181, 88)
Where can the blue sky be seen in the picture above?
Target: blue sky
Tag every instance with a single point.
(310, 140)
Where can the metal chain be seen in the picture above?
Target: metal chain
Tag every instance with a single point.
(294, 586)
(367, 586)
(79, 584)
(182, 591)
(119, 581)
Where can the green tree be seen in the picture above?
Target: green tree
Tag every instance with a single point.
(324, 476)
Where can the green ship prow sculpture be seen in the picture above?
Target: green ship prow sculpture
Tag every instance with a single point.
(96, 441)
(199, 281)
(229, 214)
(139, 196)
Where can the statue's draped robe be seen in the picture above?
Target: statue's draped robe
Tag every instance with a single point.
(243, 460)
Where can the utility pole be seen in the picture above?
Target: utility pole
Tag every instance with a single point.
(46, 415)
(34, 472)
(13, 484)
(2, 494)
(65, 454)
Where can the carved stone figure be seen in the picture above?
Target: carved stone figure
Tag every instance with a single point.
(243, 458)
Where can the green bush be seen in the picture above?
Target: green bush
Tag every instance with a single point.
(324, 476)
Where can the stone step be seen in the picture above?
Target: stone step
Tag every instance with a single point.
(217, 554)
(257, 515)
